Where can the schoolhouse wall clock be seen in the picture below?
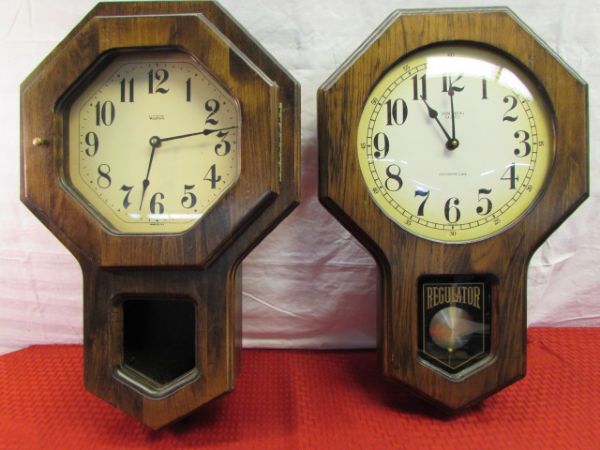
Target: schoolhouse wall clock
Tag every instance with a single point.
(451, 144)
(160, 144)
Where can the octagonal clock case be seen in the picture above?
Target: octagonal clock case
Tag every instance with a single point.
(160, 144)
(451, 144)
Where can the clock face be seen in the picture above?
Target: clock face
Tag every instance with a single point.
(153, 143)
(455, 143)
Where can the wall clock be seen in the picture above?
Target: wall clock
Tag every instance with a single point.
(160, 144)
(452, 143)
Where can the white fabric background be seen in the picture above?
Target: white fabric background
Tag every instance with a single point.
(309, 284)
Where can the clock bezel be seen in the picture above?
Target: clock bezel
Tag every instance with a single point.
(403, 257)
(203, 267)
(91, 75)
(256, 188)
(545, 105)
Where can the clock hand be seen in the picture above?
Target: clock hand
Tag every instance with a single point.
(453, 143)
(155, 143)
(434, 115)
(205, 132)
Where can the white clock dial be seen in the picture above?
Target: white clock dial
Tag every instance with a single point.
(153, 143)
(455, 143)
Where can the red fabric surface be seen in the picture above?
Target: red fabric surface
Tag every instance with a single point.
(307, 399)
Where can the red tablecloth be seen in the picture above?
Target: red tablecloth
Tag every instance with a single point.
(314, 400)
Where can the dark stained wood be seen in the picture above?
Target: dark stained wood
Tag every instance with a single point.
(402, 257)
(201, 265)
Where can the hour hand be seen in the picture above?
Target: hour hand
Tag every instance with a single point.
(434, 115)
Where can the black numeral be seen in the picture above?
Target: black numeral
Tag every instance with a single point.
(511, 175)
(161, 75)
(393, 183)
(188, 90)
(484, 211)
(382, 145)
(212, 176)
(425, 194)
(105, 113)
(448, 82)
(104, 180)
(156, 207)
(224, 147)
(188, 201)
(524, 135)
(513, 104)
(127, 190)
(393, 109)
(423, 88)
(212, 106)
(127, 90)
(451, 211)
(484, 89)
(91, 139)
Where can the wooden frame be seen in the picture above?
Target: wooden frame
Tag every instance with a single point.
(504, 256)
(201, 264)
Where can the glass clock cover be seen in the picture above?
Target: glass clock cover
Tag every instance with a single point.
(153, 143)
(455, 143)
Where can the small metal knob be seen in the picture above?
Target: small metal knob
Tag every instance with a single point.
(39, 141)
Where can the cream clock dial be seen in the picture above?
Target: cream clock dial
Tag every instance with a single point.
(153, 143)
(455, 143)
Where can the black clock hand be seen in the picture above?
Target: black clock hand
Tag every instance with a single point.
(155, 143)
(205, 132)
(453, 143)
(434, 115)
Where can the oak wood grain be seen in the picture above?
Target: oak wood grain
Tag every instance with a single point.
(201, 265)
(402, 257)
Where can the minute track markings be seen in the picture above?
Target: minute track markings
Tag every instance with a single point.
(523, 183)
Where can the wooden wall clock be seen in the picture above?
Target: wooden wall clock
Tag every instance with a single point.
(160, 144)
(451, 144)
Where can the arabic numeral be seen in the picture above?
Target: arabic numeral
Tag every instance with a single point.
(425, 194)
(451, 211)
(127, 190)
(513, 104)
(105, 113)
(382, 145)
(419, 92)
(91, 139)
(393, 183)
(161, 75)
(224, 147)
(524, 136)
(156, 207)
(487, 208)
(395, 107)
(511, 175)
(104, 180)
(212, 106)
(212, 177)
(189, 199)
(127, 90)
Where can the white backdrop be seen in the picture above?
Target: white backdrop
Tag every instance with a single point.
(309, 284)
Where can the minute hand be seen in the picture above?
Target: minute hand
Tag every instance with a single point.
(204, 132)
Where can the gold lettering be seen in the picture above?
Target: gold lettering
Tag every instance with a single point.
(440, 295)
(430, 298)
